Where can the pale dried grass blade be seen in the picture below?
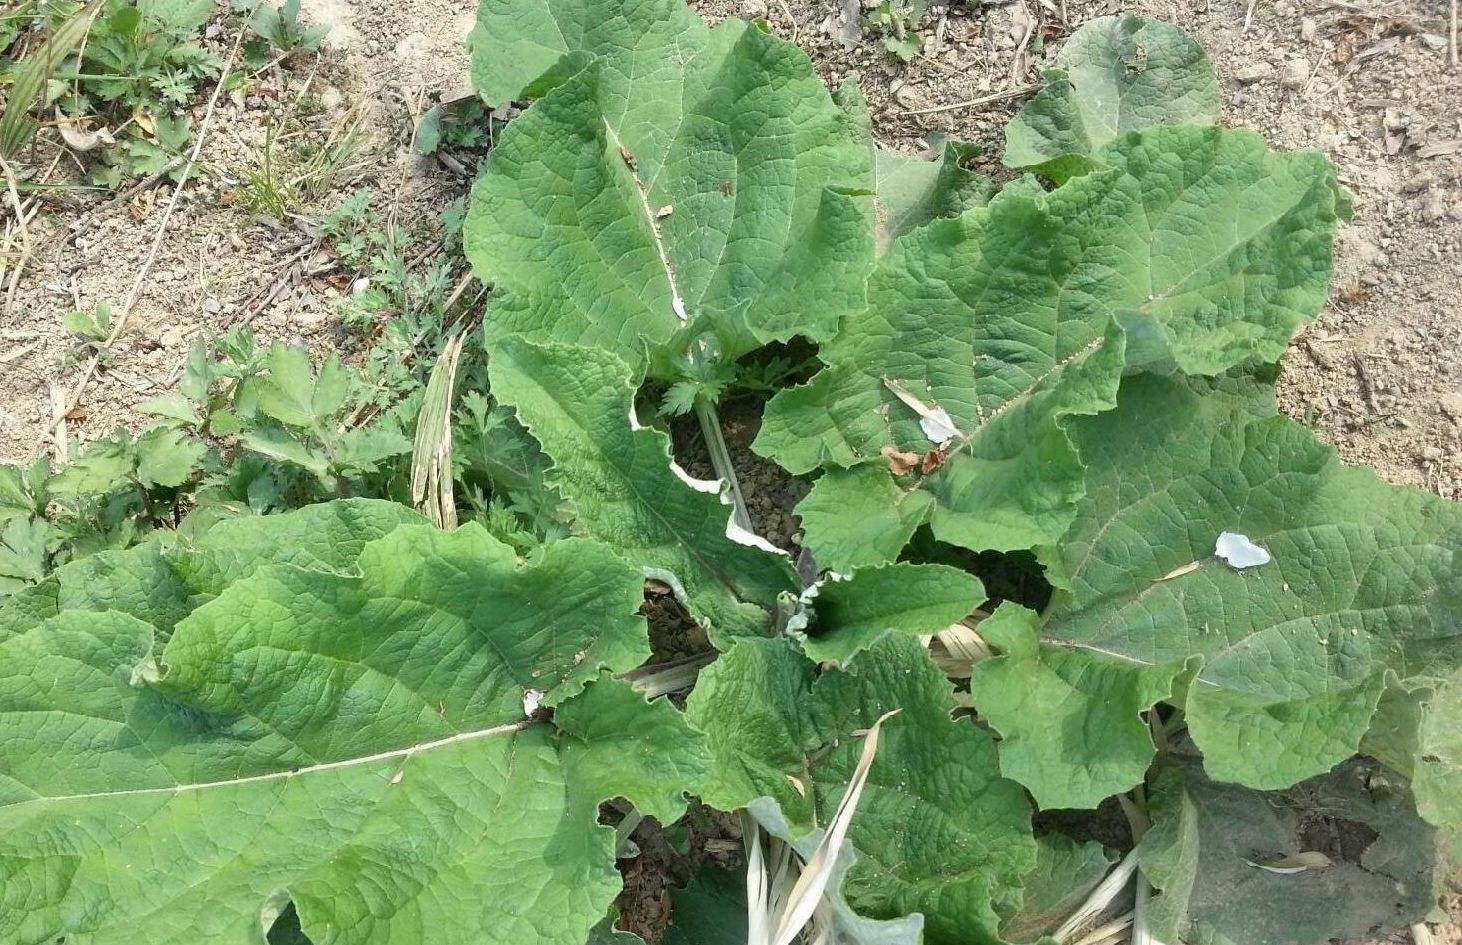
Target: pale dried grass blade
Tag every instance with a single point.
(1108, 933)
(956, 650)
(806, 895)
(431, 459)
(1100, 899)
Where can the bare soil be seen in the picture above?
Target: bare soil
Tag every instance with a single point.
(1379, 374)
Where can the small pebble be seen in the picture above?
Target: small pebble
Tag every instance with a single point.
(1296, 74)
(1253, 72)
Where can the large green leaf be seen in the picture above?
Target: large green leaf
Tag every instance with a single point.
(937, 831)
(1210, 843)
(578, 403)
(172, 573)
(687, 192)
(353, 743)
(1114, 75)
(1074, 730)
(1206, 247)
(1365, 581)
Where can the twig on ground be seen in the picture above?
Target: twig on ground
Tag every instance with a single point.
(145, 183)
(1007, 94)
(1452, 36)
(1249, 16)
(125, 313)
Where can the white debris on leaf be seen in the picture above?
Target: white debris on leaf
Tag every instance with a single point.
(531, 700)
(678, 304)
(1240, 552)
(708, 486)
(938, 426)
(751, 539)
(936, 422)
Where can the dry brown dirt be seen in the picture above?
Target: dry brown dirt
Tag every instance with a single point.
(1379, 374)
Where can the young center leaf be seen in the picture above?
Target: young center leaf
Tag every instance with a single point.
(352, 743)
(937, 831)
(849, 613)
(1340, 857)
(1291, 657)
(1114, 75)
(1206, 248)
(690, 192)
(578, 403)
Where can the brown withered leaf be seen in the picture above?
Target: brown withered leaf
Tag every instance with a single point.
(933, 460)
(900, 463)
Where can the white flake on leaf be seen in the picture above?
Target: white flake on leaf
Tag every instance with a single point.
(531, 700)
(1239, 552)
(936, 422)
(938, 426)
(708, 486)
(751, 539)
(678, 304)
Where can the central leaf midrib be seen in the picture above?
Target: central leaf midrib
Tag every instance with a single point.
(290, 773)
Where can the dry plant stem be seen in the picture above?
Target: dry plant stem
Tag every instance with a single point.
(710, 423)
(1006, 95)
(125, 313)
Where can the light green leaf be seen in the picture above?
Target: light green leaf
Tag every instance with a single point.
(25, 545)
(1207, 837)
(1207, 248)
(578, 403)
(654, 760)
(1365, 581)
(702, 188)
(861, 517)
(171, 406)
(850, 614)
(912, 190)
(353, 742)
(287, 393)
(277, 443)
(1114, 75)
(167, 457)
(178, 18)
(936, 831)
(521, 50)
(1073, 728)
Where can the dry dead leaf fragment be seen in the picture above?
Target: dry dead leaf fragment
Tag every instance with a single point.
(900, 462)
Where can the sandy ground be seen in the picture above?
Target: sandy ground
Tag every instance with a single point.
(1379, 374)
